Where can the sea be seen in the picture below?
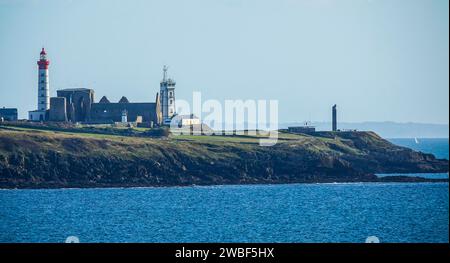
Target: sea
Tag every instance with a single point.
(336, 212)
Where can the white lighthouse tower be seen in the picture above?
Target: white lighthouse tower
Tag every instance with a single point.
(43, 89)
(167, 97)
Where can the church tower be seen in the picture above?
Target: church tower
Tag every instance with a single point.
(167, 97)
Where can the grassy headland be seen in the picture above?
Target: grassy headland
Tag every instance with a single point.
(43, 157)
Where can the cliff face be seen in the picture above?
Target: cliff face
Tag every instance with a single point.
(38, 159)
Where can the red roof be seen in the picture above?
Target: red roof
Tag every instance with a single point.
(43, 52)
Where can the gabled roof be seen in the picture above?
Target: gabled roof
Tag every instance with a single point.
(124, 100)
(104, 99)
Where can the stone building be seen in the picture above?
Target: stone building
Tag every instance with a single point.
(167, 99)
(108, 112)
(77, 105)
(58, 110)
(8, 114)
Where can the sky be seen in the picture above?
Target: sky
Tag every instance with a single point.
(378, 60)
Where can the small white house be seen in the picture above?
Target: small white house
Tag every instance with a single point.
(185, 120)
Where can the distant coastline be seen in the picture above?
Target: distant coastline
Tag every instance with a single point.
(386, 129)
(389, 129)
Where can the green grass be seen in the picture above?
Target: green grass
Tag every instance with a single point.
(49, 132)
(215, 138)
(199, 138)
(139, 146)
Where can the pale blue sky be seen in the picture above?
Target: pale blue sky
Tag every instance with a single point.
(379, 60)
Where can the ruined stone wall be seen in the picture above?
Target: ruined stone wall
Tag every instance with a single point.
(78, 103)
(58, 111)
(112, 112)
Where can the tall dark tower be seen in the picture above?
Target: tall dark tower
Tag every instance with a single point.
(334, 123)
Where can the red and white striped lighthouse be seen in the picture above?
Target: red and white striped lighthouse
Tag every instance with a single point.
(43, 90)
(43, 85)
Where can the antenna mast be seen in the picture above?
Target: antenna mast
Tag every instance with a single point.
(165, 68)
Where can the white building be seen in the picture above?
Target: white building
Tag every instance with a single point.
(167, 97)
(190, 121)
(43, 90)
(185, 120)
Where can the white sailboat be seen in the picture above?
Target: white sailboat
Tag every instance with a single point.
(417, 141)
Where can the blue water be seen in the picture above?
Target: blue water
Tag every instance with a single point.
(439, 147)
(394, 212)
